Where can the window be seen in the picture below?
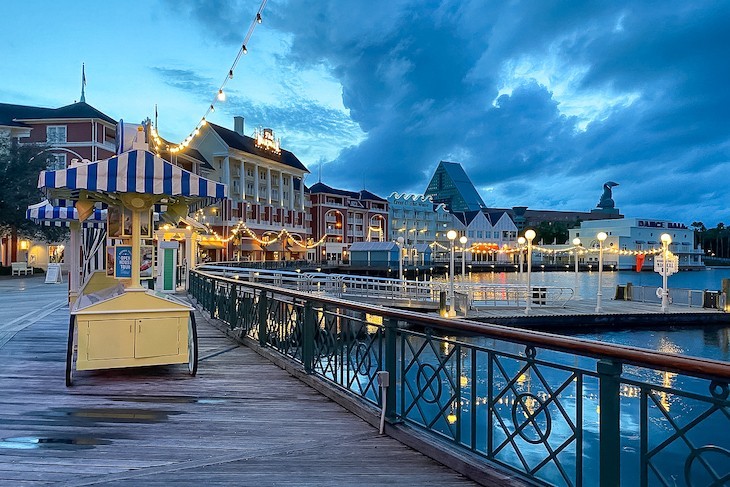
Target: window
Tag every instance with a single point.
(56, 161)
(249, 172)
(56, 134)
(479, 234)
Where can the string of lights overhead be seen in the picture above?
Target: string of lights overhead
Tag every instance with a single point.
(219, 96)
(281, 235)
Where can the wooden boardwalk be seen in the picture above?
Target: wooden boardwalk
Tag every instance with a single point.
(241, 421)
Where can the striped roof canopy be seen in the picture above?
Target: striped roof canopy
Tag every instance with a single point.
(47, 214)
(135, 171)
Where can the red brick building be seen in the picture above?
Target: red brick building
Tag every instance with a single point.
(346, 217)
(76, 131)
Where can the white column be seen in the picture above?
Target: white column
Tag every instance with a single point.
(268, 185)
(281, 189)
(74, 266)
(242, 181)
(256, 183)
(227, 171)
(301, 194)
(291, 192)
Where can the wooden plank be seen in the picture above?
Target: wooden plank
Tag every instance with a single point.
(241, 421)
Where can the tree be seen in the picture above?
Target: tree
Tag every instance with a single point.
(699, 230)
(20, 165)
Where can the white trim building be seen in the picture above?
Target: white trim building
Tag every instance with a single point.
(632, 234)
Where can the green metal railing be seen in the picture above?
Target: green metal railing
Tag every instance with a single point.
(557, 410)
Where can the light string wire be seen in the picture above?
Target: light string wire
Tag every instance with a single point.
(219, 95)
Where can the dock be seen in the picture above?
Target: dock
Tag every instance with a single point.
(241, 421)
(614, 313)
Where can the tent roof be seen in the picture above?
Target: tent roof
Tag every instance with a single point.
(135, 171)
(45, 213)
(373, 246)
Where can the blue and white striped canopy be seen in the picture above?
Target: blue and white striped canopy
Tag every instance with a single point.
(60, 216)
(136, 171)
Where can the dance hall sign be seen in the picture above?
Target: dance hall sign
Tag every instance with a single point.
(658, 224)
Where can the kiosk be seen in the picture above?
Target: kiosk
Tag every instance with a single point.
(126, 325)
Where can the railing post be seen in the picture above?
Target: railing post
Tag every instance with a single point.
(232, 315)
(609, 376)
(308, 328)
(391, 347)
(263, 317)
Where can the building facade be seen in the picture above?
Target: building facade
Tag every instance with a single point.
(76, 131)
(487, 233)
(341, 218)
(267, 193)
(637, 234)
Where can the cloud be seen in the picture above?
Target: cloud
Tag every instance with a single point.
(540, 101)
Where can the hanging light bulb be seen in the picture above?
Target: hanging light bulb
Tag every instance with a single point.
(203, 122)
(244, 50)
(258, 18)
(230, 74)
(212, 108)
(221, 95)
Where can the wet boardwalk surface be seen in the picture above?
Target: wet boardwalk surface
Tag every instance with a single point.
(241, 421)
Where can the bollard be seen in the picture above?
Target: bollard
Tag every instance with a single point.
(442, 303)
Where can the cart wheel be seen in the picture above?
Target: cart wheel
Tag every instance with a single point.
(192, 346)
(70, 353)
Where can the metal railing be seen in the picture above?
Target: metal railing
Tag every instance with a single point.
(557, 410)
(478, 295)
(692, 298)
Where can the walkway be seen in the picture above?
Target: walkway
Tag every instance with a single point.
(241, 421)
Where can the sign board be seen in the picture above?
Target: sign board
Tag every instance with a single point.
(123, 262)
(53, 274)
(672, 264)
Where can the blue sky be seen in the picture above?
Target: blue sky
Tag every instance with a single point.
(541, 101)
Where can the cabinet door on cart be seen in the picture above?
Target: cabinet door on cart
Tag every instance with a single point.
(157, 337)
(109, 339)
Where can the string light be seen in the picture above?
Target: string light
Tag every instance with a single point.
(220, 94)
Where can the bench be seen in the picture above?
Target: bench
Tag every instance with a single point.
(20, 267)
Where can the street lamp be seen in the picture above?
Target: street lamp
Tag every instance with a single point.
(400, 257)
(529, 235)
(521, 241)
(601, 238)
(666, 240)
(576, 244)
(451, 235)
(462, 241)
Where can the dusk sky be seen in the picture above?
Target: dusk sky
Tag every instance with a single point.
(541, 101)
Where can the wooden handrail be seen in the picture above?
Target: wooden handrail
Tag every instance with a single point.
(694, 366)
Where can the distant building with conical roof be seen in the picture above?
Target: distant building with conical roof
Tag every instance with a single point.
(451, 186)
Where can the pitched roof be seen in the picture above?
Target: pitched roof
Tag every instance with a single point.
(466, 217)
(457, 190)
(17, 113)
(358, 195)
(245, 143)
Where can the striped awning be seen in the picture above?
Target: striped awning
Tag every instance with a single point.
(47, 214)
(136, 171)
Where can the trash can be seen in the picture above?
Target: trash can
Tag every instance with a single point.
(710, 299)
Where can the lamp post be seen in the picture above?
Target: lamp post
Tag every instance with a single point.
(601, 238)
(462, 241)
(451, 235)
(400, 257)
(576, 244)
(666, 240)
(521, 241)
(529, 235)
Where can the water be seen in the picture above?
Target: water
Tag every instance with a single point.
(587, 282)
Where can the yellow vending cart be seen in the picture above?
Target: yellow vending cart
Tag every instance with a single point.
(116, 322)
